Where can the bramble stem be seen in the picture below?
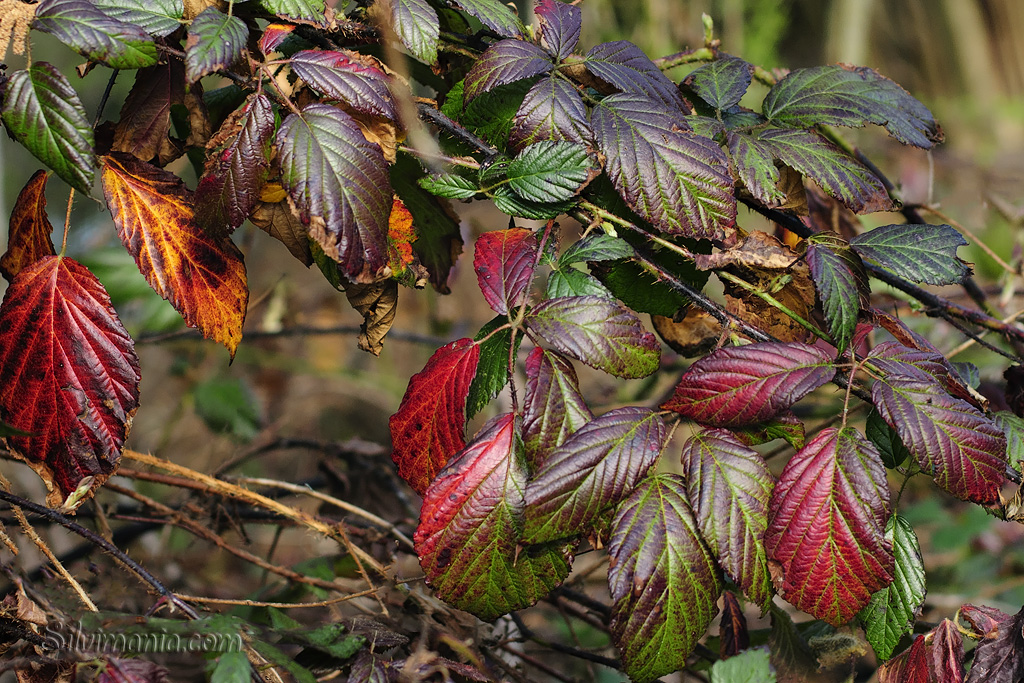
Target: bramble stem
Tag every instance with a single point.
(769, 299)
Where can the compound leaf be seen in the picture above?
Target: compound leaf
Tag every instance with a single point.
(43, 112)
(504, 263)
(156, 17)
(676, 179)
(430, 423)
(553, 408)
(200, 273)
(416, 25)
(339, 182)
(662, 578)
(625, 67)
(551, 171)
(891, 613)
(559, 26)
(355, 79)
(827, 526)
(469, 529)
(215, 42)
(922, 253)
(594, 469)
(728, 486)
(69, 376)
(721, 83)
(742, 385)
(29, 230)
(551, 110)
(505, 62)
(840, 95)
(841, 284)
(599, 332)
(493, 14)
(83, 27)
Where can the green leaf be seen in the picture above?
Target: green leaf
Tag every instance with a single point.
(841, 95)
(785, 426)
(449, 186)
(891, 613)
(888, 442)
(662, 578)
(230, 667)
(43, 112)
(569, 281)
(284, 660)
(227, 406)
(551, 171)
(722, 82)
(493, 14)
(508, 202)
(489, 115)
(156, 17)
(492, 371)
(749, 666)
(841, 284)
(756, 167)
(553, 408)
(416, 25)
(922, 253)
(1013, 428)
(332, 638)
(301, 10)
(599, 246)
(88, 31)
(215, 42)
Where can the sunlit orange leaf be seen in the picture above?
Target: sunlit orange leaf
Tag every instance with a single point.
(68, 375)
(202, 275)
(404, 263)
(29, 236)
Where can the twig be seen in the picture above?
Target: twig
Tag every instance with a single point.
(772, 301)
(295, 331)
(277, 605)
(61, 569)
(434, 116)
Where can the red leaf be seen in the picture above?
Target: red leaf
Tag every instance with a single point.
(504, 263)
(429, 426)
(827, 526)
(273, 36)
(947, 653)
(742, 385)
(1000, 659)
(732, 630)
(470, 528)
(910, 666)
(984, 620)
(68, 374)
(29, 234)
(553, 408)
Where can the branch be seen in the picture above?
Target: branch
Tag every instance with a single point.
(437, 118)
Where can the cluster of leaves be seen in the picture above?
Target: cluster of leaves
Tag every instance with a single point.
(306, 144)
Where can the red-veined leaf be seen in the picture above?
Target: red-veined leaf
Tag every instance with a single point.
(625, 67)
(416, 25)
(504, 263)
(947, 653)
(674, 178)
(505, 62)
(553, 408)
(950, 439)
(357, 80)
(910, 666)
(662, 578)
(29, 230)
(741, 385)
(429, 426)
(559, 25)
(469, 528)
(826, 526)
(599, 332)
(69, 375)
(200, 273)
(552, 110)
(215, 42)
(597, 466)
(88, 31)
(728, 486)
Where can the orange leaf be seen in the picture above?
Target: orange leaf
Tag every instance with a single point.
(202, 275)
(29, 237)
(401, 235)
(68, 375)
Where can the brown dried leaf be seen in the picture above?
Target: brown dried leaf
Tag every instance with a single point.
(378, 304)
(277, 216)
(146, 115)
(693, 335)
(29, 235)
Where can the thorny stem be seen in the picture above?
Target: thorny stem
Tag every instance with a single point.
(465, 162)
(434, 116)
(769, 299)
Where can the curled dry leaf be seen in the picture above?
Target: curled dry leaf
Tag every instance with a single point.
(276, 215)
(29, 233)
(696, 333)
(378, 304)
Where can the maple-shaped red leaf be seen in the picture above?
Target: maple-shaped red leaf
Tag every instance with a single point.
(201, 274)
(741, 385)
(594, 469)
(910, 666)
(662, 578)
(29, 234)
(504, 263)
(950, 439)
(68, 375)
(729, 485)
(470, 526)
(553, 408)
(429, 427)
(826, 526)
(946, 653)
(1000, 659)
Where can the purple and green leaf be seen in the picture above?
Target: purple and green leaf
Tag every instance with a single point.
(505, 62)
(551, 110)
(559, 27)
(553, 408)
(841, 284)
(625, 67)
(785, 426)
(721, 83)
(352, 78)
(493, 14)
(156, 17)
(88, 31)
(215, 42)
(756, 167)
(299, 10)
(921, 253)
(416, 25)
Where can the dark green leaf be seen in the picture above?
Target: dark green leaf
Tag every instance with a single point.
(505, 62)
(508, 202)
(841, 95)
(416, 25)
(215, 42)
(42, 111)
(662, 578)
(841, 284)
(598, 332)
(493, 14)
(599, 246)
(551, 110)
(553, 408)
(489, 115)
(723, 82)
(551, 171)
(301, 10)
(332, 638)
(891, 613)
(492, 371)
(643, 291)
(625, 67)
(87, 30)
(922, 253)
(756, 167)
(156, 17)
(785, 426)
(569, 281)
(449, 186)
(230, 667)
(888, 442)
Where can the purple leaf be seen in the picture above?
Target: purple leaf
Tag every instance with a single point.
(840, 95)
(505, 62)
(947, 653)
(827, 526)
(756, 167)
(493, 14)
(922, 253)
(88, 31)
(728, 486)
(596, 468)
(504, 263)
(676, 179)
(662, 578)
(230, 188)
(339, 181)
(599, 332)
(559, 25)
(1000, 659)
(910, 666)
(215, 42)
(721, 83)
(841, 284)
(950, 439)
(741, 385)
(553, 408)
(469, 528)
(352, 78)
(625, 67)
(416, 25)
(551, 110)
